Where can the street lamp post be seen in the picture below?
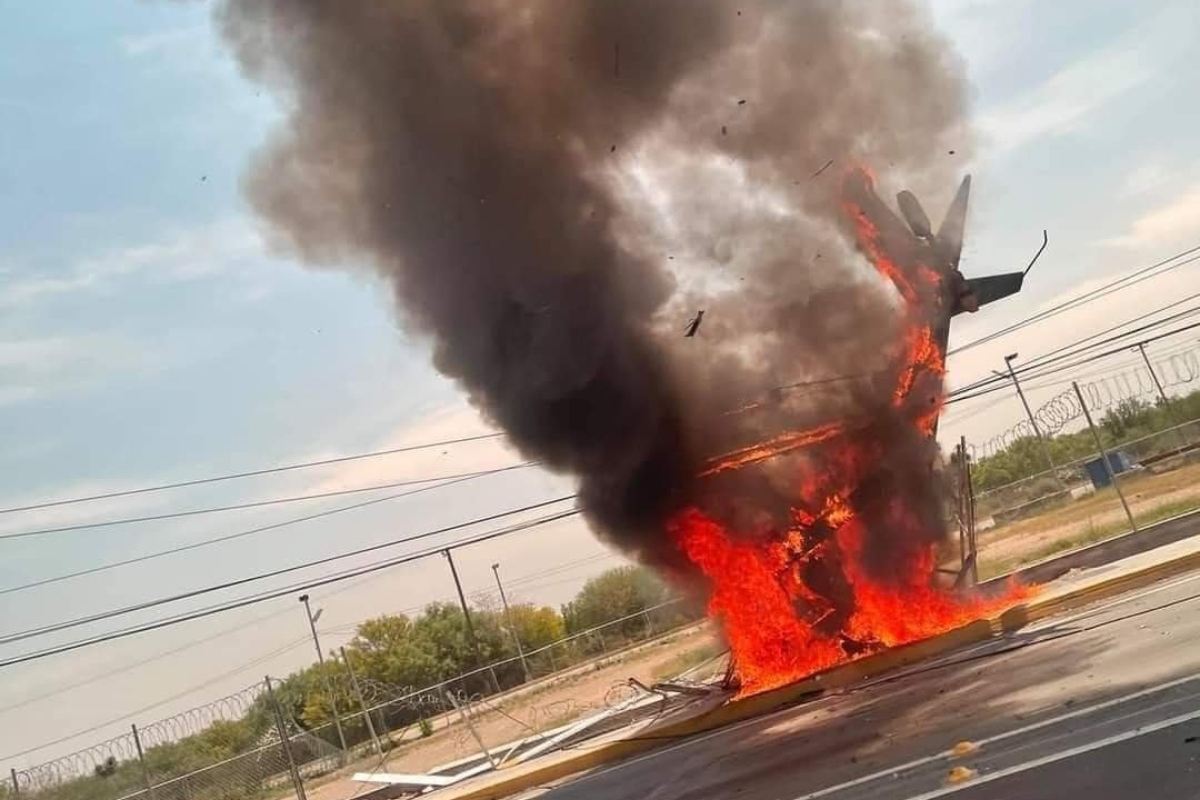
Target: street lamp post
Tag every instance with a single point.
(1008, 359)
(312, 625)
(511, 628)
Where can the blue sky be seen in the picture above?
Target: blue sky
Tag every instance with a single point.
(148, 335)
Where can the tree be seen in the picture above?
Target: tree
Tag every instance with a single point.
(537, 627)
(617, 593)
(1128, 415)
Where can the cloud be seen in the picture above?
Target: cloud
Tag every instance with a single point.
(33, 368)
(11, 395)
(456, 421)
(1064, 102)
(1158, 47)
(1170, 222)
(1152, 173)
(165, 42)
(185, 255)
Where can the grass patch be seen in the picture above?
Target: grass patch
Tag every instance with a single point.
(686, 660)
(1092, 534)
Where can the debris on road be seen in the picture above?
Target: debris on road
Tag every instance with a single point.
(960, 775)
(963, 748)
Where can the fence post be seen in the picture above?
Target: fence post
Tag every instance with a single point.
(1104, 456)
(649, 626)
(362, 703)
(284, 742)
(16, 784)
(137, 741)
(466, 718)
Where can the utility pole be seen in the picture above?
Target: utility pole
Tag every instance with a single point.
(472, 642)
(1104, 457)
(361, 702)
(312, 624)
(1141, 348)
(511, 628)
(1008, 359)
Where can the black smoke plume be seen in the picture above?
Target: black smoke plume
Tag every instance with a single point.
(553, 188)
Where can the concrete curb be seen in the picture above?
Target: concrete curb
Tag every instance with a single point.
(528, 776)
(1040, 608)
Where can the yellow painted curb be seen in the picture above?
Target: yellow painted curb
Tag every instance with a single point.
(527, 776)
(1040, 608)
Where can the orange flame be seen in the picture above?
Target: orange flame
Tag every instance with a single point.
(804, 600)
(783, 443)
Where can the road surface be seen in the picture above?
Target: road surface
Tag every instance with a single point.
(1098, 705)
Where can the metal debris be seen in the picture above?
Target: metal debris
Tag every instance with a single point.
(828, 164)
(960, 775)
(963, 748)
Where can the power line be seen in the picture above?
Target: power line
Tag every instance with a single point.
(985, 390)
(73, 623)
(239, 535)
(1120, 283)
(190, 690)
(283, 592)
(520, 581)
(251, 474)
(261, 503)
(1078, 347)
(1042, 369)
(173, 651)
(1047, 357)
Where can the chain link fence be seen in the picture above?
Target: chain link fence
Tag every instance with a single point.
(1054, 511)
(250, 745)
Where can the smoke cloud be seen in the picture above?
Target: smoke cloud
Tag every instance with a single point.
(553, 189)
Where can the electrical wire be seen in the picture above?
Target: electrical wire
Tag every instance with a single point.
(180, 649)
(159, 703)
(73, 623)
(1120, 283)
(1078, 346)
(251, 474)
(261, 503)
(964, 394)
(232, 536)
(283, 592)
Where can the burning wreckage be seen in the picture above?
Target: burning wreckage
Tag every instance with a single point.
(800, 599)
(467, 155)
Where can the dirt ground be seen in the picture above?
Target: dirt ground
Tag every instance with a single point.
(1010, 544)
(572, 698)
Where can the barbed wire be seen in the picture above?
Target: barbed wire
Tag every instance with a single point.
(193, 721)
(1102, 393)
(104, 755)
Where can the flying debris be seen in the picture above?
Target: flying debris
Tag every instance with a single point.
(694, 325)
(824, 167)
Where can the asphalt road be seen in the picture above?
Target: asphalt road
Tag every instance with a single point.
(1099, 705)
